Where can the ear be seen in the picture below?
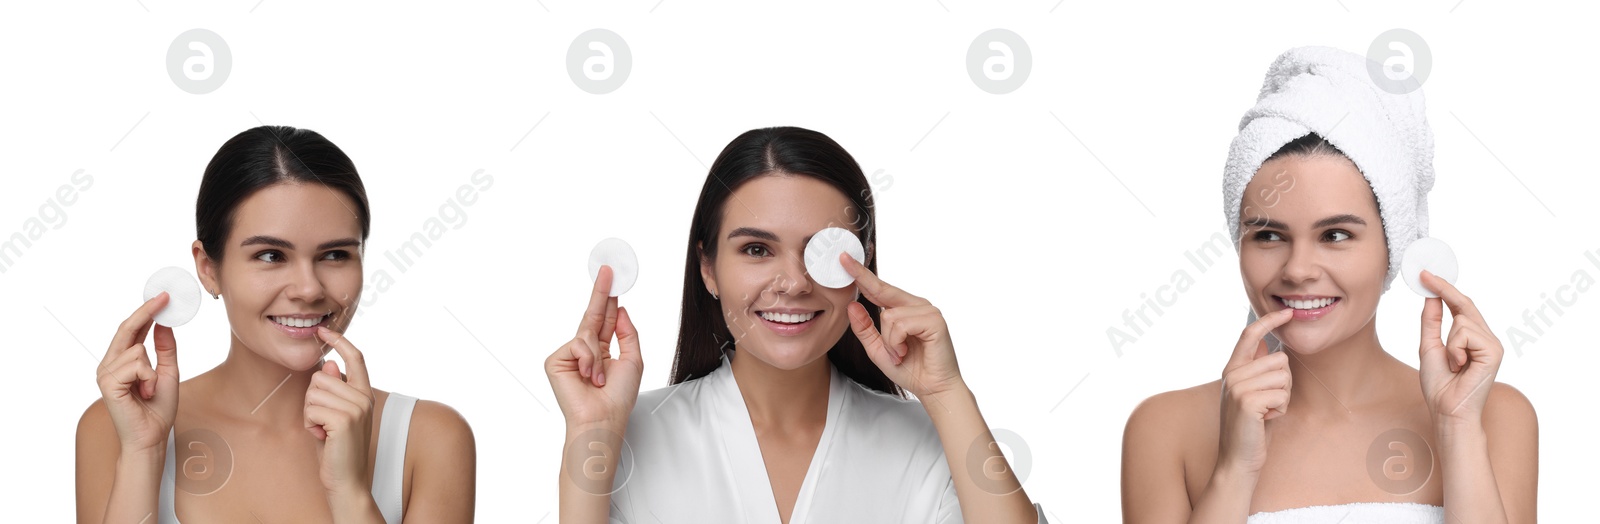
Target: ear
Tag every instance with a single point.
(205, 267)
(708, 271)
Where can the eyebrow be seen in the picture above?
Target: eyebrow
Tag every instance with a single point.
(753, 232)
(285, 244)
(1267, 223)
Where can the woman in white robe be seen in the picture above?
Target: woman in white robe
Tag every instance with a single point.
(787, 403)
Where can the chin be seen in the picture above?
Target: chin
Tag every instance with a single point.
(1306, 343)
(787, 355)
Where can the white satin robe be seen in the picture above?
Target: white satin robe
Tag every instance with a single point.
(692, 456)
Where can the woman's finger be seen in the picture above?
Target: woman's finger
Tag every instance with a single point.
(871, 339)
(132, 329)
(628, 339)
(1459, 303)
(595, 315)
(1244, 351)
(875, 289)
(166, 353)
(355, 363)
(329, 382)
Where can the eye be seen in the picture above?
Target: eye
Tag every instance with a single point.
(1336, 235)
(270, 256)
(1267, 236)
(755, 250)
(336, 255)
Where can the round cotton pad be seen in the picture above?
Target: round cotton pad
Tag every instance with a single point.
(1433, 255)
(624, 264)
(822, 256)
(183, 295)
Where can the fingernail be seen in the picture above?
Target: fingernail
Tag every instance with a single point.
(601, 378)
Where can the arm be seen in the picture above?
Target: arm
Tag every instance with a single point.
(122, 438)
(990, 493)
(596, 394)
(913, 349)
(111, 486)
(589, 462)
(1153, 483)
(1487, 433)
(444, 477)
(1490, 468)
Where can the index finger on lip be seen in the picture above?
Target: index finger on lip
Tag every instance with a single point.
(1245, 350)
(355, 365)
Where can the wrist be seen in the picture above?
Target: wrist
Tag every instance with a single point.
(947, 398)
(142, 460)
(1232, 476)
(1452, 432)
(351, 504)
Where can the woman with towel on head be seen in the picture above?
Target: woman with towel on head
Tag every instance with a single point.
(1326, 185)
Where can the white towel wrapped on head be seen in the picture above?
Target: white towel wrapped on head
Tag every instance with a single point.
(1328, 92)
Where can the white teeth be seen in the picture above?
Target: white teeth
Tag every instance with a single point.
(786, 318)
(1308, 304)
(298, 322)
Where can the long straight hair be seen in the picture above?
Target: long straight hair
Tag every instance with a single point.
(703, 333)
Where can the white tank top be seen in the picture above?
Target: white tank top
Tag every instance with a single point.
(388, 473)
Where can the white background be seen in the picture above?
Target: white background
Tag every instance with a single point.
(1032, 239)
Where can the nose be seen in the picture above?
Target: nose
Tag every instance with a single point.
(304, 284)
(792, 278)
(1304, 264)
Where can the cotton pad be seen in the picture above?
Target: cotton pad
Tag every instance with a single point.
(822, 256)
(624, 264)
(1433, 255)
(183, 295)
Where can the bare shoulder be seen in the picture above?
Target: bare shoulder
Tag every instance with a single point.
(1509, 412)
(1178, 414)
(95, 428)
(438, 431)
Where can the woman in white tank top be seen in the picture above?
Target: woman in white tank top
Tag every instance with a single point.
(274, 433)
(1325, 188)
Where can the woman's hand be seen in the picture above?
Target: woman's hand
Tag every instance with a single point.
(338, 411)
(1255, 389)
(591, 387)
(913, 344)
(1458, 371)
(143, 401)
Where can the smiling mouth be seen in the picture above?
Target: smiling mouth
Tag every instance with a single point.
(788, 318)
(1308, 304)
(288, 321)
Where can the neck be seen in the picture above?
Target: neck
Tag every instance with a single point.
(1342, 378)
(783, 397)
(259, 390)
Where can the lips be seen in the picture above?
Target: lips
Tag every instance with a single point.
(788, 321)
(300, 325)
(1308, 307)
